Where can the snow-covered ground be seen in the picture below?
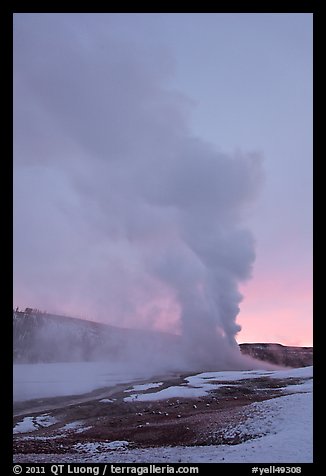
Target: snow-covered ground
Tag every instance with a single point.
(73, 378)
(281, 429)
(201, 384)
(278, 430)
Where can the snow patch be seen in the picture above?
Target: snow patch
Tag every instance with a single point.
(25, 426)
(100, 447)
(170, 392)
(29, 424)
(72, 426)
(117, 445)
(145, 386)
(84, 428)
(45, 420)
(229, 376)
(41, 438)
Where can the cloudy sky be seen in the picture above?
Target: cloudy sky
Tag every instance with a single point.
(160, 162)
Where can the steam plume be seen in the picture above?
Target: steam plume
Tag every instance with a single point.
(121, 214)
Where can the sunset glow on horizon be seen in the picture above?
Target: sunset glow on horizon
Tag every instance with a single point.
(296, 330)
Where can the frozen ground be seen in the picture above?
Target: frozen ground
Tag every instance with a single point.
(277, 429)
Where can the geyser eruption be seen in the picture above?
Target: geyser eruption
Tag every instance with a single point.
(131, 219)
(211, 253)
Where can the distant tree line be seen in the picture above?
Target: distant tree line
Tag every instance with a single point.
(30, 310)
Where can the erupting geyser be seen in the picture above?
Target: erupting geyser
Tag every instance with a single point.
(131, 219)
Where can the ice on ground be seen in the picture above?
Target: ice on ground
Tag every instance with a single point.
(107, 400)
(145, 386)
(29, 424)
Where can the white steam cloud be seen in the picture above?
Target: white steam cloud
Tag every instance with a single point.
(120, 213)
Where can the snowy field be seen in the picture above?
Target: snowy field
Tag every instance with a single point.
(201, 384)
(280, 430)
(63, 379)
(277, 430)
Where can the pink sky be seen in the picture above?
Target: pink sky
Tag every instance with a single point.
(274, 311)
